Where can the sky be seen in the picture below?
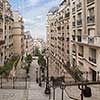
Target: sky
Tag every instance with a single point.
(34, 14)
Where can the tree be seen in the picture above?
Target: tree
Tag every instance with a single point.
(28, 61)
(41, 61)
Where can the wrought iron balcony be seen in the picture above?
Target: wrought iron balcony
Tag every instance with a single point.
(90, 1)
(90, 39)
(91, 19)
(79, 38)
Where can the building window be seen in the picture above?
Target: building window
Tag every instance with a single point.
(5, 27)
(81, 51)
(79, 21)
(91, 17)
(73, 7)
(73, 23)
(92, 55)
(74, 35)
(91, 11)
(91, 35)
(79, 36)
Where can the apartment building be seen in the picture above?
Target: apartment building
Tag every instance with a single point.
(6, 37)
(57, 31)
(73, 32)
(28, 43)
(18, 33)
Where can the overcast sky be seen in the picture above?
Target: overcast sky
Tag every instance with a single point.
(34, 13)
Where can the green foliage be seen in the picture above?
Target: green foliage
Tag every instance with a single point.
(28, 59)
(41, 61)
(8, 66)
(76, 73)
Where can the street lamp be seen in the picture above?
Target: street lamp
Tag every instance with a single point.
(63, 86)
(36, 75)
(58, 82)
(40, 84)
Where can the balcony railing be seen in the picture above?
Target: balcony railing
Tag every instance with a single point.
(90, 1)
(79, 5)
(73, 24)
(79, 22)
(92, 59)
(90, 19)
(90, 39)
(79, 38)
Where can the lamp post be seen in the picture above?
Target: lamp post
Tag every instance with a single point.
(63, 86)
(47, 89)
(40, 84)
(36, 75)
